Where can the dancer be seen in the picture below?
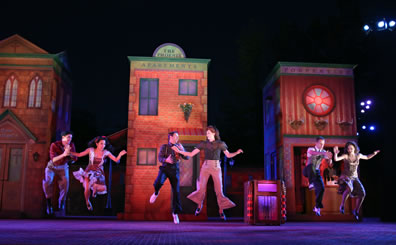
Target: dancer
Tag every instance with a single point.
(93, 177)
(58, 165)
(315, 156)
(349, 182)
(211, 167)
(170, 160)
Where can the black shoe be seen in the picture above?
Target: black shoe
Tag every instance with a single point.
(197, 211)
(223, 217)
(356, 214)
(342, 211)
(62, 206)
(50, 211)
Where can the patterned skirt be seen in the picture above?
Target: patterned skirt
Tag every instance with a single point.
(354, 184)
(95, 176)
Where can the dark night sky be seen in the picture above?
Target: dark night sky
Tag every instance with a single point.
(244, 41)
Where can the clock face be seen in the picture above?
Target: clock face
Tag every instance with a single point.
(318, 100)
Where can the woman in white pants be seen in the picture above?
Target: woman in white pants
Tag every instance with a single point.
(212, 147)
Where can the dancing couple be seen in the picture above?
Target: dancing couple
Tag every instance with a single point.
(169, 155)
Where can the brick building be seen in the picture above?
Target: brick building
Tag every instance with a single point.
(302, 101)
(35, 93)
(158, 85)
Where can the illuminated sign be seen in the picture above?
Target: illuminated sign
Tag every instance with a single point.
(169, 50)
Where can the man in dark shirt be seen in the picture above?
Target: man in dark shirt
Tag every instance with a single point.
(58, 165)
(170, 169)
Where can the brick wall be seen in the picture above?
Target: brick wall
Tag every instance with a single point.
(151, 132)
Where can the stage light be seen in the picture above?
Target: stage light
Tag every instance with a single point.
(368, 102)
(381, 25)
(363, 127)
(367, 107)
(372, 128)
(391, 25)
(362, 111)
(366, 27)
(362, 103)
(357, 133)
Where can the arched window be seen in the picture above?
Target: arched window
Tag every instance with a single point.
(10, 92)
(35, 91)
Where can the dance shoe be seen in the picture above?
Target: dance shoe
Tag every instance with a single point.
(317, 211)
(197, 211)
(356, 215)
(223, 217)
(50, 210)
(89, 206)
(175, 218)
(153, 198)
(342, 211)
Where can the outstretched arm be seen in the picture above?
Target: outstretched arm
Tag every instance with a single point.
(117, 159)
(336, 157)
(231, 155)
(326, 154)
(185, 153)
(369, 156)
(81, 154)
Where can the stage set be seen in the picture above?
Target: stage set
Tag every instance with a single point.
(301, 101)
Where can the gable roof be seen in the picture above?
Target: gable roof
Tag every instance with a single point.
(9, 114)
(19, 45)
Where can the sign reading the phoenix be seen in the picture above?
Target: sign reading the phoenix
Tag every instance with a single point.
(169, 50)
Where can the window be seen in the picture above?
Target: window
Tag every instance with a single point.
(10, 92)
(147, 156)
(188, 87)
(148, 97)
(35, 91)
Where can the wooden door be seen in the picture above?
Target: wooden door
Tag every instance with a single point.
(11, 175)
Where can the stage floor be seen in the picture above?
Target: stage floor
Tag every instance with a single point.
(95, 231)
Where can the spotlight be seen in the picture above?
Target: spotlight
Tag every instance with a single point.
(366, 27)
(367, 107)
(391, 25)
(372, 128)
(357, 133)
(363, 127)
(362, 103)
(362, 111)
(382, 25)
(368, 102)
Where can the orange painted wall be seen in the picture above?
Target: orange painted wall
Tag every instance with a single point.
(292, 89)
(152, 132)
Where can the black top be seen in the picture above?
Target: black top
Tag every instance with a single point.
(212, 149)
(166, 150)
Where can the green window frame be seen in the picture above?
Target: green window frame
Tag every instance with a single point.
(190, 87)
